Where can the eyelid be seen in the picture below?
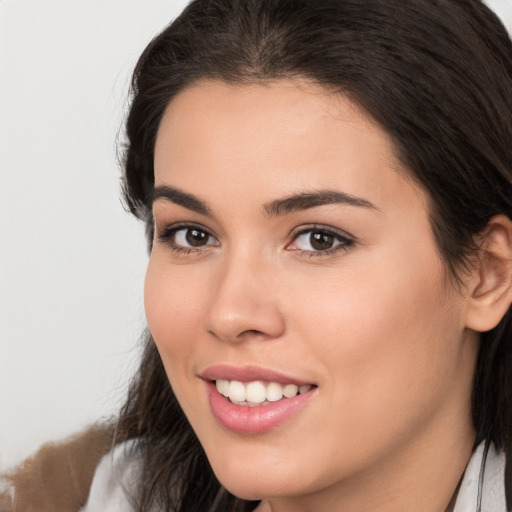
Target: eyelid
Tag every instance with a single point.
(300, 230)
(165, 234)
(347, 239)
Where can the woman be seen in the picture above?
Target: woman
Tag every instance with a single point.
(327, 191)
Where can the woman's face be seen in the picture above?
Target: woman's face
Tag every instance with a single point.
(292, 253)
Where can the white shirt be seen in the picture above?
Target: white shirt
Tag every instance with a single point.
(493, 488)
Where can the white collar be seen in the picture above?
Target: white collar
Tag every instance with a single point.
(493, 485)
(115, 479)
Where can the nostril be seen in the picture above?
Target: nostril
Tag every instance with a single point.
(251, 331)
(248, 333)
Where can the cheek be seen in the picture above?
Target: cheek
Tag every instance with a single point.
(171, 306)
(388, 333)
(369, 303)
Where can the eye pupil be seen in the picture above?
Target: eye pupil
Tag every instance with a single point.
(321, 241)
(196, 238)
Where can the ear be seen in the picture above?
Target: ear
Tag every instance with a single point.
(490, 291)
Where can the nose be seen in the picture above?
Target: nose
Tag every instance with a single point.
(244, 304)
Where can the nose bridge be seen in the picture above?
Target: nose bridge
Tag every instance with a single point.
(244, 303)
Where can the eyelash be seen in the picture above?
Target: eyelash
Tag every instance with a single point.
(346, 241)
(167, 236)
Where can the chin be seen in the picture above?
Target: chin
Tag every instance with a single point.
(248, 482)
(253, 491)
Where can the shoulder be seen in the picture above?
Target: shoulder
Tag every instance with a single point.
(58, 476)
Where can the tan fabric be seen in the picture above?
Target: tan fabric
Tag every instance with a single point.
(58, 477)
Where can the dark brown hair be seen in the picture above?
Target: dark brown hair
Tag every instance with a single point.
(435, 74)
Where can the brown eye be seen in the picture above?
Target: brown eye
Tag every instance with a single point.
(196, 237)
(189, 237)
(321, 241)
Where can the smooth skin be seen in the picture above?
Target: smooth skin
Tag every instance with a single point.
(351, 296)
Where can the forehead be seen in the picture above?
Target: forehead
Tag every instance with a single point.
(221, 113)
(261, 138)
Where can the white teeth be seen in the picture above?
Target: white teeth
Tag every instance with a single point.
(274, 392)
(223, 387)
(290, 390)
(236, 391)
(256, 393)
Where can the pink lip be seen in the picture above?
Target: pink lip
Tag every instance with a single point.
(252, 420)
(248, 374)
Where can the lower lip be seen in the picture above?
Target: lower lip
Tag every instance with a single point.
(254, 420)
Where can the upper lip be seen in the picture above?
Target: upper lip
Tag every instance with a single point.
(249, 374)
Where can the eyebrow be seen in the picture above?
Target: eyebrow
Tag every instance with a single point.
(307, 200)
(181, 198)
(296, 202)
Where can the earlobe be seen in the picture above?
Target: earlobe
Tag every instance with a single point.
(490, 294)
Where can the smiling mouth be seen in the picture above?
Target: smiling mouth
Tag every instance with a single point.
(256, 393)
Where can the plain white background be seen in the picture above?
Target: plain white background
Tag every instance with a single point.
(72, 261)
